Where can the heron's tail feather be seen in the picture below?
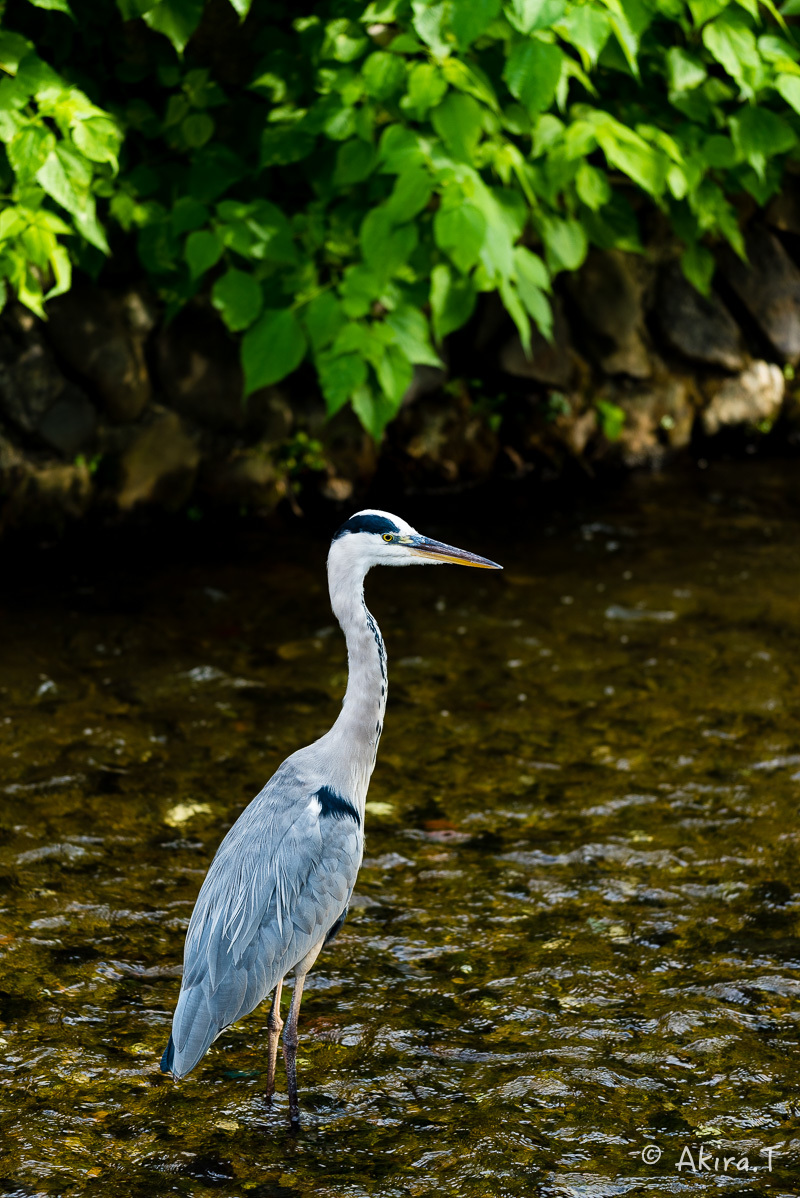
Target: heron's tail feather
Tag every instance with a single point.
(168, 1057)
(194, 1029)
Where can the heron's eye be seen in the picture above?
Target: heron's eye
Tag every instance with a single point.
(387, 536)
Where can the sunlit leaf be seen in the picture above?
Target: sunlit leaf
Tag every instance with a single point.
(461, 232)
(176, 19)
(453, 298)
(470, 18)
(237, 297)
(272, 348)
(532, 72)
(203, 250)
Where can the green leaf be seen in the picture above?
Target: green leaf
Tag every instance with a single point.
(760, 134)
(86, 222)
(131, 10)
(612, 419)
(12, 222)
(685, 71)
(214, 168)
(532, 72)
(426, 87)
(52, 176)
(533, 282)
(565, 243)
(461, 232)
(197, 129)
(237, 297)
(719, 152)
(516, 310)
(788, 86)
(203, 250)
(640, 160)
(241, 8)
(340, 376)
(29, 150)
(412, 334)
(410, 195)
(383, 74)
(459, 122)
(470, 18)
(587, 29)
(176, 19)
(530, 15)
(394, 372)
(430, 23)
(53, 5)
(592, 186)
(698, 265)
(323, 319)
(13, 48)
(62, 272)
(453, 299)
(374, 411)
(272, 348)
(98, 138)
(360, 288)
(38, 244)
(529, 266)
(355, 161)
(733, 44)
(384, 247)
(187, 214)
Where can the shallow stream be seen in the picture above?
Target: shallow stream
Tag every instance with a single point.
(573, 953)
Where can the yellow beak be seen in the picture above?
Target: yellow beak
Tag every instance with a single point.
(437, 552)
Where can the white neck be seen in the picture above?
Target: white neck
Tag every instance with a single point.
(353, 740)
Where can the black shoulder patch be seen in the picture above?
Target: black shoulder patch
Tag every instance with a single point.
(377, 524)
(334, 806)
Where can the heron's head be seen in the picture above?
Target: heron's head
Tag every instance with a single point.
(373, 538)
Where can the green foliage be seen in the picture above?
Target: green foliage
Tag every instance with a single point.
(348, 196)
(61, 152)
(612, 419)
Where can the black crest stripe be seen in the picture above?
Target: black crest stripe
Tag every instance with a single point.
(378, 524)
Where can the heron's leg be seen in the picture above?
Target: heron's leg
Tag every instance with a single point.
(275, 1025)
(290, 1031)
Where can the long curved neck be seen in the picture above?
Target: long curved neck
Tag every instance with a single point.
(357, 731)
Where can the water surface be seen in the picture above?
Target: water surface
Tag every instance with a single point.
(575, 934)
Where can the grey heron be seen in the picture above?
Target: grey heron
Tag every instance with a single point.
(280, 883)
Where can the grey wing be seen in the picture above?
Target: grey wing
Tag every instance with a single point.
(279, 882)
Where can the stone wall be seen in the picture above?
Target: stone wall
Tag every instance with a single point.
(106, 409)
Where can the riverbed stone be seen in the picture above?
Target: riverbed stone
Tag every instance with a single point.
(30, 380)
(754, 396)
(69, 425)
(350, 453)
(658, 418)
(245, 476)
(159, 464)
(768, 285)
(42, 494)
(97, 335)
(198, 369)
(699, 327)
(608, 293)
(444, 443)
(35, 397)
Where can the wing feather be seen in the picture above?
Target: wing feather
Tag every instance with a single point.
(278, 883)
